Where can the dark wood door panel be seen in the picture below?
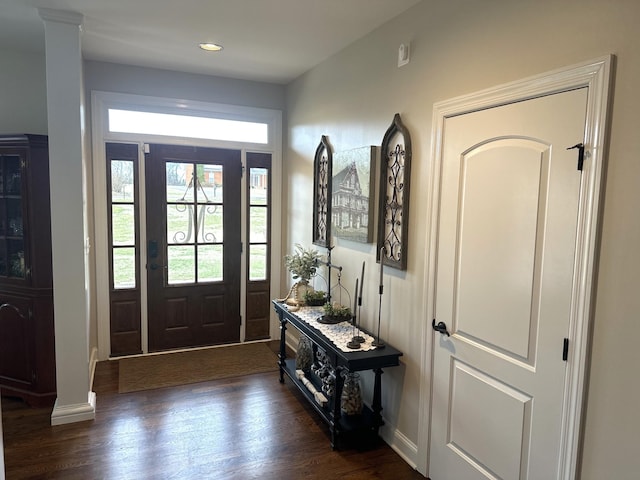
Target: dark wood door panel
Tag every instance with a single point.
(258, 314)
(125, 326)
(194, 312)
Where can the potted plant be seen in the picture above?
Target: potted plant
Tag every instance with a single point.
(302, 265)
(315, 298)
(335, 313)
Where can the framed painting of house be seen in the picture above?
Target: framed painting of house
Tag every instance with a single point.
(353, 192)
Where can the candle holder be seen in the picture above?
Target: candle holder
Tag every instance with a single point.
(354, 343)
(377, 342)
(359, 338)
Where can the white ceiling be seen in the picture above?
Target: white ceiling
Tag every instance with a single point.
(264, 40)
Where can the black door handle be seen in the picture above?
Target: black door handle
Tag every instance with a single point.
(440, 327)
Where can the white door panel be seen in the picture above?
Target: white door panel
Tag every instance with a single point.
(488, 422)
(504, 180)
(504, 282)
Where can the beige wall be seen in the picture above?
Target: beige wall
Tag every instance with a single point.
(459, 47)
(23, 93)
(111, 77)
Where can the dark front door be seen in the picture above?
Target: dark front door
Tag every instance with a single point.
(193, 214)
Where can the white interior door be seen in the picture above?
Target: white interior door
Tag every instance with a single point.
(504, 283)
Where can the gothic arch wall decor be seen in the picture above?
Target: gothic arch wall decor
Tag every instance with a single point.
(393, 207)
(322, 174)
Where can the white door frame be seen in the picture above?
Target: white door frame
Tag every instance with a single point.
(596, 75)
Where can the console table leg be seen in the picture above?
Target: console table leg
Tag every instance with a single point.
(376, 405)
(283, 347)
(336, 412)
(334, 435)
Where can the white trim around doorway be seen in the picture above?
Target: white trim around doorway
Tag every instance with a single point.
(101, 102)
(596, 75)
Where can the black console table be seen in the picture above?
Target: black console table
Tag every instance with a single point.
(363, 427)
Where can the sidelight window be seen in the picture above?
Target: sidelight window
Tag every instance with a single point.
(258, 222)
(123, 222)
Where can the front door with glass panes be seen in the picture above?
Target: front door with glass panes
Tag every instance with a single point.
(194, 246)
(193, 249)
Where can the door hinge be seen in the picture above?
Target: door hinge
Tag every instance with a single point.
(580, 147)
(241, 247)
(145, 148)
(565, 349)
(241, 170)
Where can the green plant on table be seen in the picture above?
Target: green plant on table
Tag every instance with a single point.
(302, 264)
(314, 298)
(336, 310)
(314, 295)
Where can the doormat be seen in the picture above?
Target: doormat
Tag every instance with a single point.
(181, 368)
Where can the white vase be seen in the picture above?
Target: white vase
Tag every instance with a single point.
(298, 291)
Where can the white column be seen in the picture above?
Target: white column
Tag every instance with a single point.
(65, 112)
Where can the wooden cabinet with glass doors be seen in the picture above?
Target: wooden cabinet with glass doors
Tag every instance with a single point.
(27, 351)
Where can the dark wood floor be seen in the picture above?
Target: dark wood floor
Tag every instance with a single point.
(241, 428)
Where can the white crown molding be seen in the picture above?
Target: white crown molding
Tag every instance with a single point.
(61, 16)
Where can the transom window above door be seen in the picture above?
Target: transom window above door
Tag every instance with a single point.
(191, 126)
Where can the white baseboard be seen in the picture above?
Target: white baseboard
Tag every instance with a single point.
(93, 360)
(78, 412)
(400, 444)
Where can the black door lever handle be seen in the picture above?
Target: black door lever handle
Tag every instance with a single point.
(440, 327)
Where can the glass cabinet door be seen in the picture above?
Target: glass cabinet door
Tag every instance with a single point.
(12, 262)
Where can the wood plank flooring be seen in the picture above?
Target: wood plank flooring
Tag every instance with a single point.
(247, 427)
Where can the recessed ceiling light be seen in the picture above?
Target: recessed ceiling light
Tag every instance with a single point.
(210, 47)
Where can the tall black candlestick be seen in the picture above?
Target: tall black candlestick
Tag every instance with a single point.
(361, 285)
(377, 342)
(354, 343)
(382, 252)
(358, 337)
(355, 302)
